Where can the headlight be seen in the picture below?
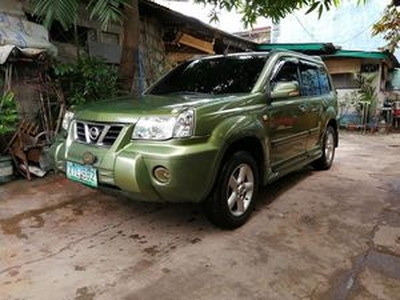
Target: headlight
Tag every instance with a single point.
(184, 124)
(164, 128)
(68, 116)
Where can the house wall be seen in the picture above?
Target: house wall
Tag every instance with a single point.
(343, 72)
(107, 44)
(343, 66)
(11, 7)
(153, 61)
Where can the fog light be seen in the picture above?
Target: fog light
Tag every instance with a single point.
(162, 174)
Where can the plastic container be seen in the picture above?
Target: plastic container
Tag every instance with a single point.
(396, 109)
(6, 168)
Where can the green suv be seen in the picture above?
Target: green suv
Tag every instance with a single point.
(212, 130)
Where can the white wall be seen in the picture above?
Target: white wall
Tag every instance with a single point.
(11, 7)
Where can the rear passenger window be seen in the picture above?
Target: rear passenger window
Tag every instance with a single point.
(324, 84)
(309, 80)
(314, 80)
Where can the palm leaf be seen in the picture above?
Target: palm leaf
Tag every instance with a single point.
(107, 11)
(62, 11)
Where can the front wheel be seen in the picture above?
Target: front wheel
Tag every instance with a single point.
(232, 199)
(328, 150)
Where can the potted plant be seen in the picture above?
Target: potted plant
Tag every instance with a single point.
(8, 122)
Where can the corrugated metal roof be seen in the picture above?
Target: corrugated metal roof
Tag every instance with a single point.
(361, 54)
(30, 38)
(192, 25)
(329, 50)
(314, 48)
(386, 56)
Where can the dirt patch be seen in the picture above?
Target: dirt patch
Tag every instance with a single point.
(84, 293)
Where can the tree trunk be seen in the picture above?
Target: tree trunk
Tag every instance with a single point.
(76, 40)
(130, 46)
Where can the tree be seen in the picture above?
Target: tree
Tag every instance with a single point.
(389, 26)
(127, 12)
(106, 12)
(130, 49)
(274, 9)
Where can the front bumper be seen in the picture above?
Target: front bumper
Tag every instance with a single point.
(130, 168)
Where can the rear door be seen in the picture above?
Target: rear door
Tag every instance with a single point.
(315, 90)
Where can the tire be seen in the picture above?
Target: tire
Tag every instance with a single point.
(328, 150)
(233, 197)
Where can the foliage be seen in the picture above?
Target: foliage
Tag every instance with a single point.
(276, 10)
(367, 89)
(87, 80)
(66, 12)
(8, 113)
(389, 26)
(367, 94)
(63, 11)
(106, 11)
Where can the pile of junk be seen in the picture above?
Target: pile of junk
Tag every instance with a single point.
(31, 106)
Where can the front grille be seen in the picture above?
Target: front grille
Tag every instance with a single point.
(97, 133)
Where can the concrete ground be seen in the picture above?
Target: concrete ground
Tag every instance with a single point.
(314, 235)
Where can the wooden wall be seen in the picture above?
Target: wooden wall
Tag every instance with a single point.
(337, 66)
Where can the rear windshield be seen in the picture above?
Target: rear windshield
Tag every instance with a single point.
(219, 75)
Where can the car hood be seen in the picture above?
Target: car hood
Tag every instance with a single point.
(129, 109)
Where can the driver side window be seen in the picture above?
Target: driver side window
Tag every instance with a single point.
(287, 73)
(285, 81)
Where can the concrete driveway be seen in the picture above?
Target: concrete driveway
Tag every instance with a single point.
(314, 235)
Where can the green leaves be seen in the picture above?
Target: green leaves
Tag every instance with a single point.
(274, 9)
(63, 11)
(87, 80)
(8, 113)
(66, 11)
(107, 11)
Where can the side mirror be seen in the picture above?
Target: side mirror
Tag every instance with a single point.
(284, 89)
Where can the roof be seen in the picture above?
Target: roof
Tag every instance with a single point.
(328, 50)
(308, 48)
(191, 25)
(361, 54)
(386, 56)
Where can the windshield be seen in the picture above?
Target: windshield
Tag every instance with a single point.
(218, 75)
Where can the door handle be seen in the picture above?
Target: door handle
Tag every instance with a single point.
(303, 107)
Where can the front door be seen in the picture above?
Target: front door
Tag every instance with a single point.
(287, 126)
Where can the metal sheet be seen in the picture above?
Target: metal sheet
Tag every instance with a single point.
(28, 37)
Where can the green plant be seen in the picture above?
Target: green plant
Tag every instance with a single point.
(8, 113)
(367, 94)
(86, 80)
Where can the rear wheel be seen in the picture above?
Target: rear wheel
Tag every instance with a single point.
(232, 199)
(328, 150)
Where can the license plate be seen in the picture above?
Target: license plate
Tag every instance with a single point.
(84, 174)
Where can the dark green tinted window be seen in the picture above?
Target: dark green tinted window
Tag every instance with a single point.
(220, 75)
(314, 81)
(324, 83)
(309, 81)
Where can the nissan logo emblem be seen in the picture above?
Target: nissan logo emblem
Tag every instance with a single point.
(94, 133)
